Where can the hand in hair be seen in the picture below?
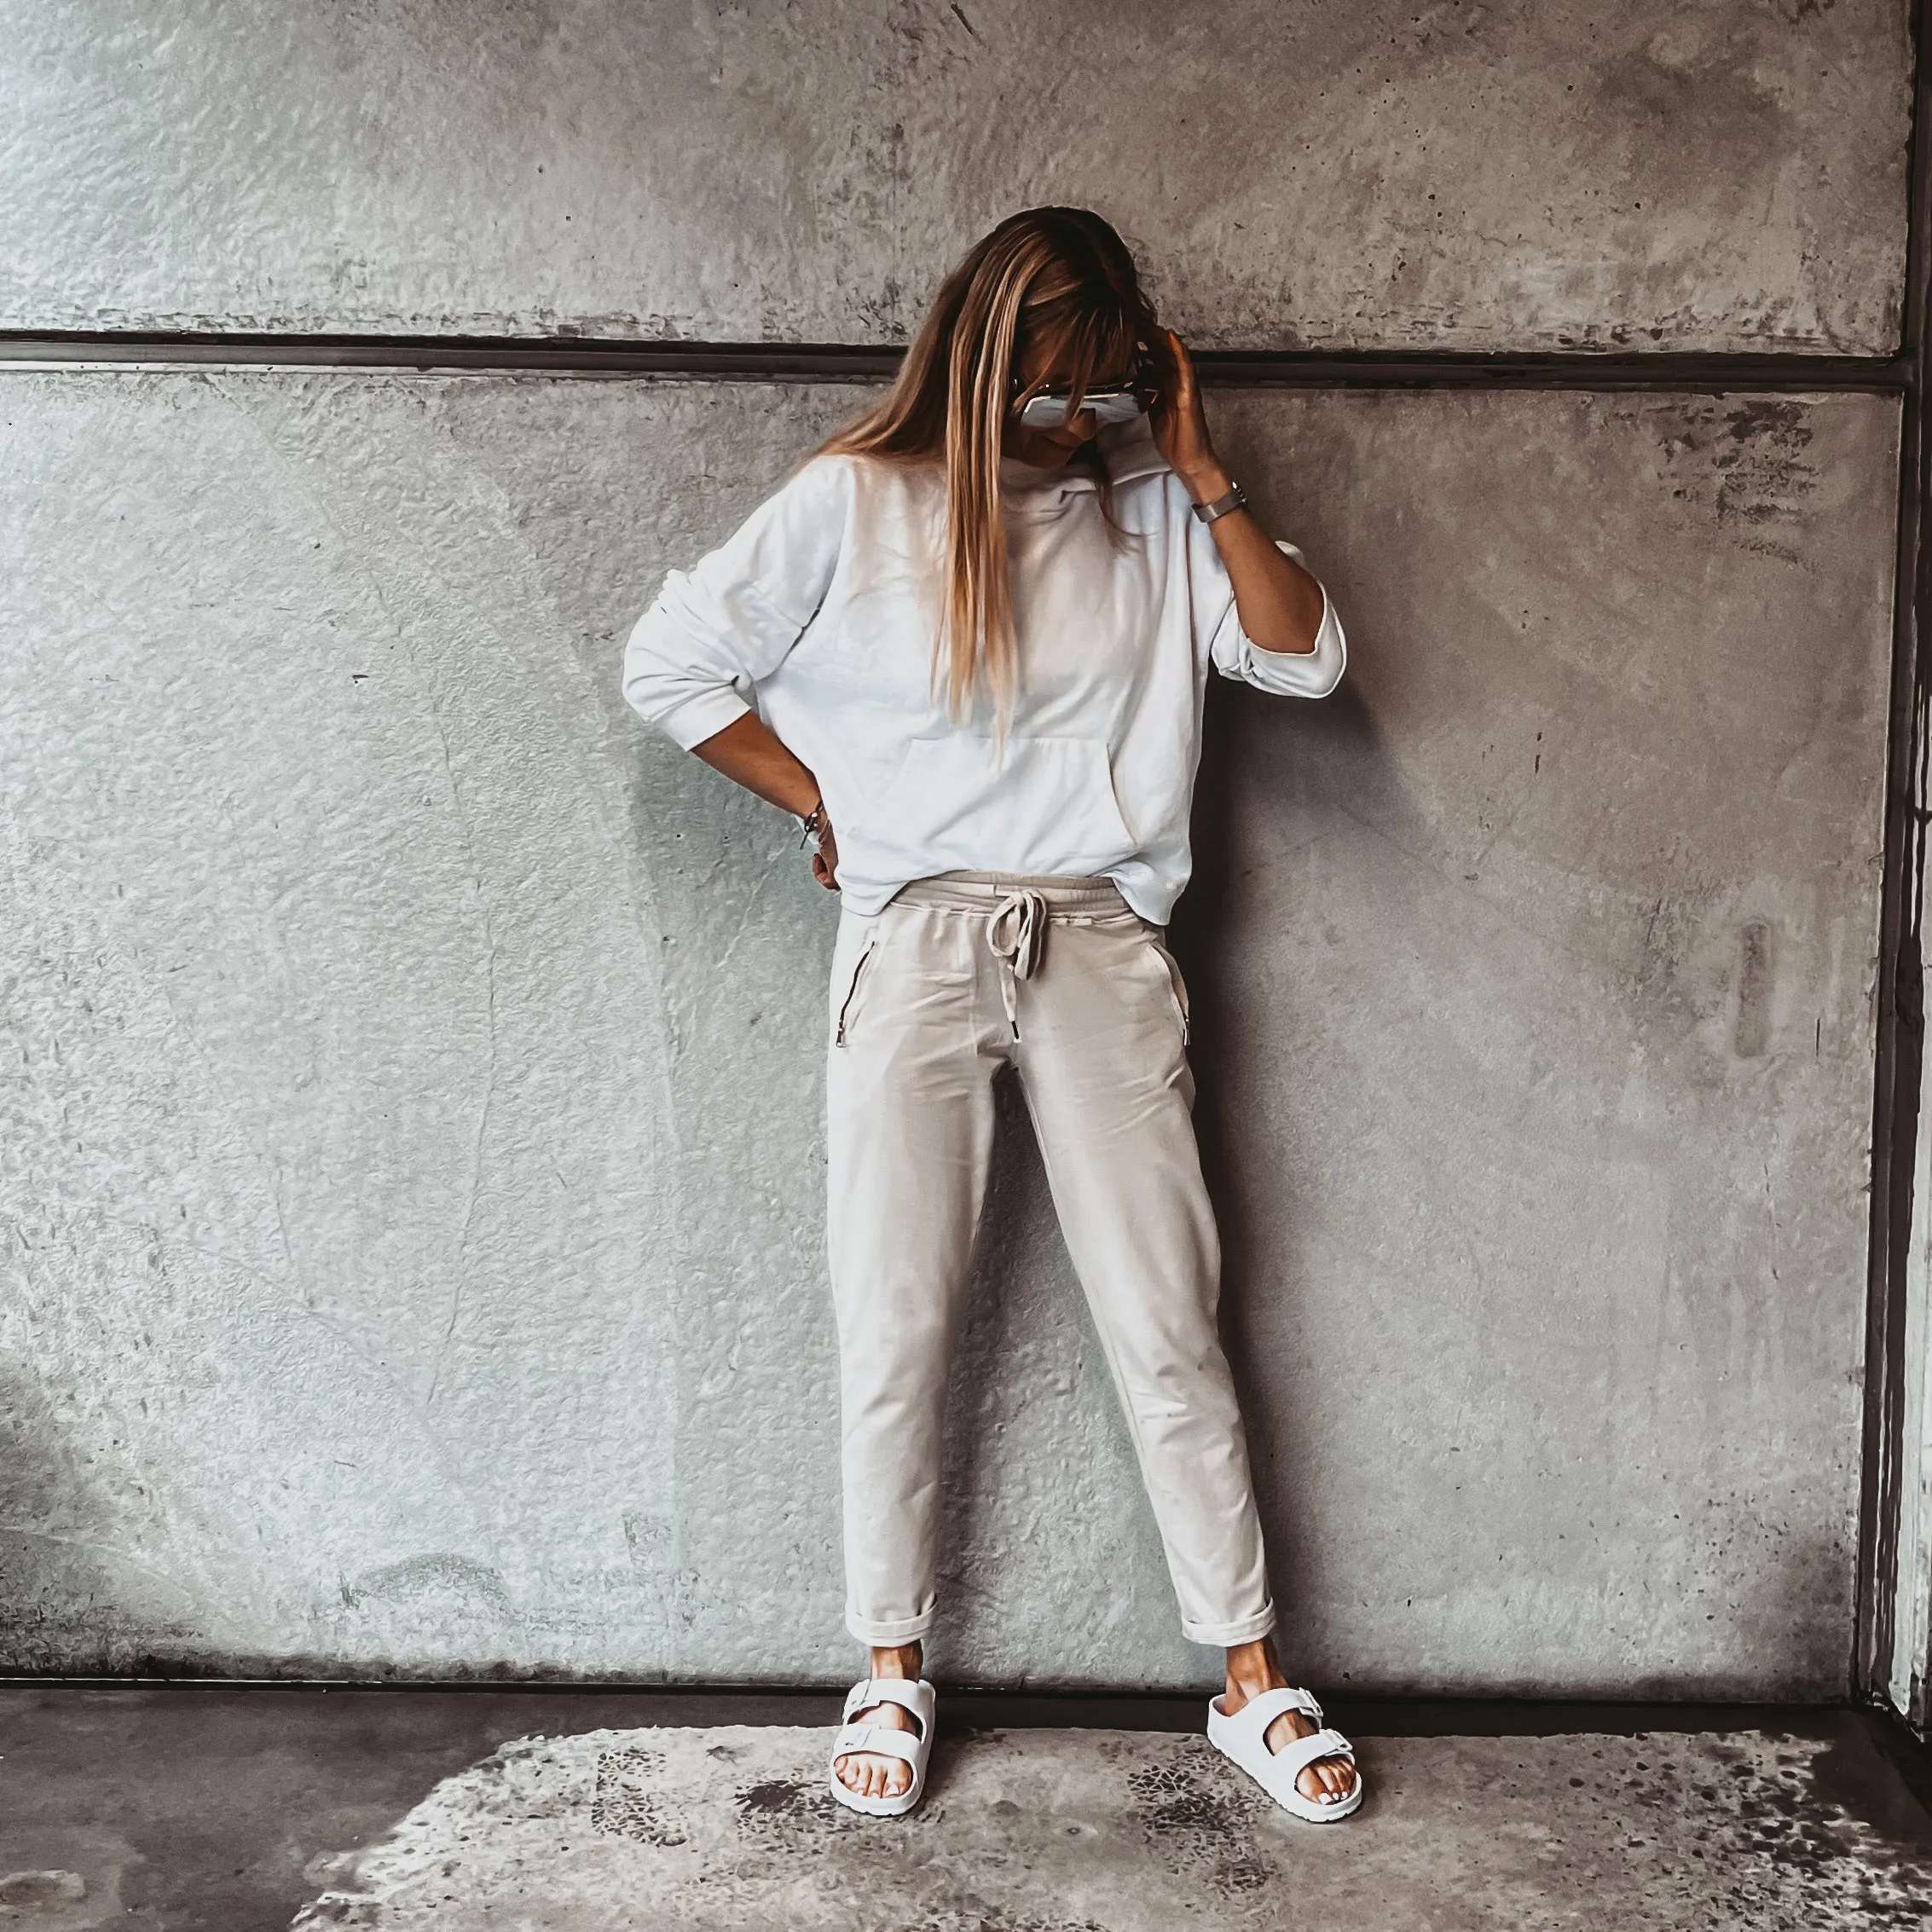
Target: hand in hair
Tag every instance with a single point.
(1177, 419)
(1281, 604)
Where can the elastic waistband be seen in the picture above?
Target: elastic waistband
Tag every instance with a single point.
(982, 891)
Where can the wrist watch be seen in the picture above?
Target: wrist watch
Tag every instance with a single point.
(1235, 499)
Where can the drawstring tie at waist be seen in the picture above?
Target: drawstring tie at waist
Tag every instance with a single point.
(1018, 908)
(1016, 934)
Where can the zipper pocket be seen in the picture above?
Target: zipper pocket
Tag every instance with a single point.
(1176, 985)
(851, 988)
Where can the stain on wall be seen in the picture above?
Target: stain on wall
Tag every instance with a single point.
(1753, 990)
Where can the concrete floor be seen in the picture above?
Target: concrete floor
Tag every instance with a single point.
(230, 1809)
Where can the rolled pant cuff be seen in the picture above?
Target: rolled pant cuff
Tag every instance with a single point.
(1225, 1636)
(882, 1636)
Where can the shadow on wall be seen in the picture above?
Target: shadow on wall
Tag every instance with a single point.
(60, 1606)
(1293, 761)
(1276, 776)
(76, 1599)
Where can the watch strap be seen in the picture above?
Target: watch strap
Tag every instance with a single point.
(1224, 505)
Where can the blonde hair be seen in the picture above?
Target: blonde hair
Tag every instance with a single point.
(1059, 276)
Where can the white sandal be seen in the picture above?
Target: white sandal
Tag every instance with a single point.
(919, 1701)
(1244, 1737)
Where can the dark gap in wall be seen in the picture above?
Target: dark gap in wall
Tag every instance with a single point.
(974, 1706)
(1768, 370)
(1900, 1018)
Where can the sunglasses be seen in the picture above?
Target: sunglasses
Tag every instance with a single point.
(1120, 403)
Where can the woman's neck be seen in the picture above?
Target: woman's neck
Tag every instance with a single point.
(1022, 445)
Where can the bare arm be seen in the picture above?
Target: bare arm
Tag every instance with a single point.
(1279, 602)
(747, 752)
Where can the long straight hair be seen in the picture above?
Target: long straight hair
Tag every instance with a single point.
(1059, 276)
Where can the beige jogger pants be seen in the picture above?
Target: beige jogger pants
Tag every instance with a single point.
(957, 975)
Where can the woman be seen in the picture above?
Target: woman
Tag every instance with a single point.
(967, 644)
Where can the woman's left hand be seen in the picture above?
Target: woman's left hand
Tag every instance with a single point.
(1178, 421)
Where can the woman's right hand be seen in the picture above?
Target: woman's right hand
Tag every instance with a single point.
(825, 859)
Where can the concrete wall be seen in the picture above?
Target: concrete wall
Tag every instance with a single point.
(409, 1162)
(1526, 173)
(415, 1234)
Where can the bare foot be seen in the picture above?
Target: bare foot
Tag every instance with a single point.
(867, 1772)
(1252, 1670)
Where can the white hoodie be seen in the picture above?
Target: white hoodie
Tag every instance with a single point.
(819, 612)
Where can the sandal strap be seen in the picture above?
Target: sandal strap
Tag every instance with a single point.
(884, 1740)
(913, 1696)
(1259, 1712)
(1294, 1758)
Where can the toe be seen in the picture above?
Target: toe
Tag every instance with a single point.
(1315, 1783)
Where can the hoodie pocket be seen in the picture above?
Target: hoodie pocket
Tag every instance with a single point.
(1047, 806)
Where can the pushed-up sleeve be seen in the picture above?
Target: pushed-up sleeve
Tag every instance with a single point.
(1286, 674)
(717, 628)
